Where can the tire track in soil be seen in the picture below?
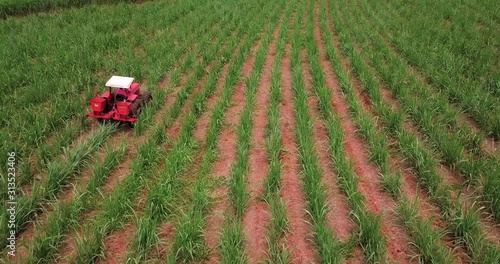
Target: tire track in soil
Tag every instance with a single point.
(257, 215)
(397, 241)
(227, 154)
(299, 238)
(338, 215)
(114, 245)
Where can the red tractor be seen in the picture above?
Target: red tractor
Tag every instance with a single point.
(122, 102)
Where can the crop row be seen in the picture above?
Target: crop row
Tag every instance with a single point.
(463, 224)
(159, 132)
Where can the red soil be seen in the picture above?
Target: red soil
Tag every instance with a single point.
(257, 216)
(176, 126)
(338, 215)
(369, 181)
(410, 187)
(222, 167)
(299, 238)
(120, 252)
(166, 235)
(117, 243)
(204, 121)
(69, 245)
(26, 237)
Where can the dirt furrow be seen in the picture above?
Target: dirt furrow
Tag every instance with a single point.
(338, 217)
(68, 247)
(227, 154)
(377, 202)
(201, 129)
(257, 216)
(35, 228)
(176, 126)
(114, 245)
(489, 145)
(450, 177)
(409, 186)
(299, 236)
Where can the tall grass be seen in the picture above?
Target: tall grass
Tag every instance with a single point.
(25, 7)
(158, 204)
(476, 170)
(66, 83)
(370, 236)
(429, 249)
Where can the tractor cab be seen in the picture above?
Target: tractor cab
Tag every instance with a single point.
(122, 101)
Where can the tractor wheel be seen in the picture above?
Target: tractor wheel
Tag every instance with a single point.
(131, 125)
(135, 106)
(146, 97)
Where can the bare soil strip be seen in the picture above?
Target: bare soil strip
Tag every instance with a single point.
(68, 247)
(113, 244)
(467, 196)
(257, 216)
(449, 176)
(204, 122)
(369, 180)
(409, 185)
(299, 238)
(338, 217)
(227, 154)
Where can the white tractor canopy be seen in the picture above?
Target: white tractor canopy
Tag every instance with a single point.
(120, 82)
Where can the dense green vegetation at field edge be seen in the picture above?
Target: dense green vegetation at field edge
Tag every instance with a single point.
(24, 7)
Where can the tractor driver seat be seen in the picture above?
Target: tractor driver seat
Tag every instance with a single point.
(121, 95)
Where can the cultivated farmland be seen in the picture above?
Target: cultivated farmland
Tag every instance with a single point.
(286, 131)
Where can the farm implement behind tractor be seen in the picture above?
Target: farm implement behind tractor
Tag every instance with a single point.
(122, 102)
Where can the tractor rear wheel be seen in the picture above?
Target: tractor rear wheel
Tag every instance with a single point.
(146, 97)
(135, 106)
